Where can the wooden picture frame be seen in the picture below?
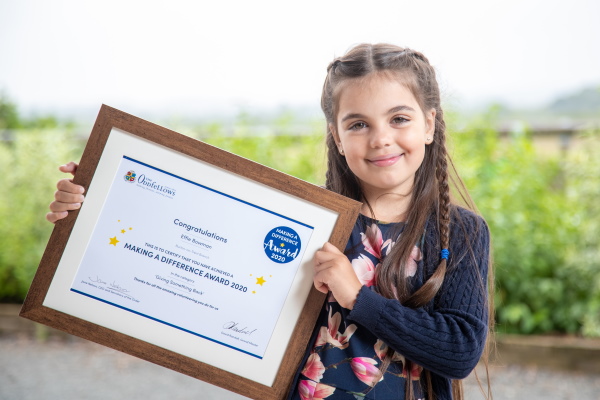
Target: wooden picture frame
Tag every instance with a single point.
(53, 301)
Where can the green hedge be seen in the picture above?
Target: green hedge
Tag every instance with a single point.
(542, 211)
(543, 215)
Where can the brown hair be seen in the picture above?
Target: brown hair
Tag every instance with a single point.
(431, 190)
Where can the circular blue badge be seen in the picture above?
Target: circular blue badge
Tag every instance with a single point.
(282, 244)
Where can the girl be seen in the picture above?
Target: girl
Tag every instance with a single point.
(408, 313)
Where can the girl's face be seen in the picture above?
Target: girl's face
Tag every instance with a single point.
(383, 133)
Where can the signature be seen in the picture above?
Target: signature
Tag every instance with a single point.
(115, 286)
(234, 327)
(98, 280)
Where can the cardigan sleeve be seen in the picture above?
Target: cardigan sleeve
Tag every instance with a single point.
(448, 338)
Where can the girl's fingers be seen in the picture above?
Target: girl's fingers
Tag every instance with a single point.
(334, 272)
(66, 185)
(327, 253)
(58, 206)
(55, 216)
(69, 196)
(66, 197)
(321, 287)
(69, 167)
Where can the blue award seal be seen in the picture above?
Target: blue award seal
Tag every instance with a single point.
(282, 244)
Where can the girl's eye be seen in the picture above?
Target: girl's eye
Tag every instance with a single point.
(399, 120)
(357, 126)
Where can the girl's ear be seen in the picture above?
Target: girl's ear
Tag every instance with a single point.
(336, 137)
(429, 126)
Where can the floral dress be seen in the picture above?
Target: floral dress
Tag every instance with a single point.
(345, 358)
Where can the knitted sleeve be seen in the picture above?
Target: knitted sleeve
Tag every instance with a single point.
(447, 338)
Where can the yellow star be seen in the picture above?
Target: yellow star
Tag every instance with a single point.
(282, 245)
(130, 228)
(114, 241)
(260, 281)
(122, 230)
(254, 292)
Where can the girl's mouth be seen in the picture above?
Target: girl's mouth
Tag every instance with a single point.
(386, 160)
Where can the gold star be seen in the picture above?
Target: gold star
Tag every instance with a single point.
(114, 241)
(282, 245)
(122, 230)
(254, 292)
(260, 281)
(130, 228)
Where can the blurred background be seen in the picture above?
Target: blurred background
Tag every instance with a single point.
(521, 87)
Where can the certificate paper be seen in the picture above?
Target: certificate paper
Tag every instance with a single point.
(161, 250)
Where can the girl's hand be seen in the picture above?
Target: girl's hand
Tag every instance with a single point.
(68, 196)
(333, 272)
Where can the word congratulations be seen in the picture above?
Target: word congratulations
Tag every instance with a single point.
(204, 232)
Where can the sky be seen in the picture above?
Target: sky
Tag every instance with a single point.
(197, 58)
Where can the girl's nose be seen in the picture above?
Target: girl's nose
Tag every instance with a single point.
(381, 136)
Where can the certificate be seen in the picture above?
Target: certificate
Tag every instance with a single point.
(189, 257)
(175, 251)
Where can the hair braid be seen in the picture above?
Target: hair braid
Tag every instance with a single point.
(430, 288)
(444, 188)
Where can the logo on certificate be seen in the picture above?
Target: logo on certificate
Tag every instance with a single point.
(130, 176)
(282, 244)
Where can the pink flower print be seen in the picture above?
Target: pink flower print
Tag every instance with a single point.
(322, 338)
(322, 391)
(411, 266)
(310, 390)
(364, 269)
(373, 241)
(334, 337)
(314, 368)
(306, 389)
(381, 349)
(364, 368)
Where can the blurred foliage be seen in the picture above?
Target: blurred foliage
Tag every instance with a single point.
(29, 158)
(28, 162)
(277, 145)
(542, 211)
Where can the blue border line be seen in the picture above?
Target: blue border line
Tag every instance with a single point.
(216, 191)
(164, 322)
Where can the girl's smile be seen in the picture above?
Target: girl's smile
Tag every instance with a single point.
(386, 161)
